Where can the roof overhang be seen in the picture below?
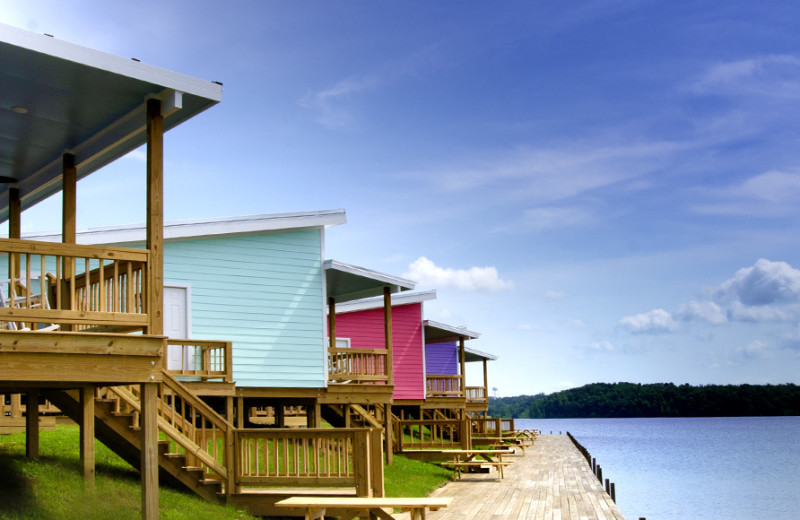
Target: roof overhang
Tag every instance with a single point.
(377, 303)
(345, 282)
(57, 98)
(436, 332)
(470, 354)
(223, 226)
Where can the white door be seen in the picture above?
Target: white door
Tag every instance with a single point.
(176, 324)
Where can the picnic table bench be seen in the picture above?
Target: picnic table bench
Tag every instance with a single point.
(364, 507)
(490, 458)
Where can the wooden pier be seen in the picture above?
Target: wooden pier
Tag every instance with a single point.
(551, 480)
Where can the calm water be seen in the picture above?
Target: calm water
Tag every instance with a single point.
(741, 468)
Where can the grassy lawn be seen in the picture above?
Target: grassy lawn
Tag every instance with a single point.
(52, 488)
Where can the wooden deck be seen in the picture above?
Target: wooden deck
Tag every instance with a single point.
(550, 481)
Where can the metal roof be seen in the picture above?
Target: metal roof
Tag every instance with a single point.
(346, 282)
(57, 98)
(436, 332)
(220, 226)
(471, 354)
(377, 303)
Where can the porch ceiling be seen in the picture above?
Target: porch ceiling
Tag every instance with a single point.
(58, 97)
(349, 282)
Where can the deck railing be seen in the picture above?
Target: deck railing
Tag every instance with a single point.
(444, 386)
(357, 365)
(260, 457)
(440, 434)
(311, 457)
(90, 287)
(493, 427)
(204, 359)
(476, 394)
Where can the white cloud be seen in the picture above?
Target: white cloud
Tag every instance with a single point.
(704, 311)
(546, 218)
(656, 321)
(762, 313)
(555, 295)
(765, 283)
(776, 76)
(772, 193)
(600, 346)
(426, 273)
(756, 348)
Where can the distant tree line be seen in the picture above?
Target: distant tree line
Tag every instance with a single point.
(652, 400)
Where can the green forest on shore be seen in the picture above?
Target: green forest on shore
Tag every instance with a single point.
(652, 400)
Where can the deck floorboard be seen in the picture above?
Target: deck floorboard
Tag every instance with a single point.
(551, 480)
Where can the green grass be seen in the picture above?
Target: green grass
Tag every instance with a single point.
(52, 488)
(413, 478)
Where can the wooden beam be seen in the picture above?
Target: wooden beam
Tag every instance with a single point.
(87, 436)
(32, 425)
(387, 331)
(155, 216)
(149, 451)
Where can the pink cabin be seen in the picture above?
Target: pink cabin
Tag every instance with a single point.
(361, 325)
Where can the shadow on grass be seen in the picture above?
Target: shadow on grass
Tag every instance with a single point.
(18, 490)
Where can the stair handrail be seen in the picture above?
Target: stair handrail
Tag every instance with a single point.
(223, 467)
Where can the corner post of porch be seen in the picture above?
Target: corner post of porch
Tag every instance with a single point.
(462, 361)
(149, 451)
(69, 226)
(87, 436)
(32, 425)
(331, 322)
(387, 330)
(485, 382)
(155, 216)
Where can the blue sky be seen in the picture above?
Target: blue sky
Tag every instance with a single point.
(605, 190)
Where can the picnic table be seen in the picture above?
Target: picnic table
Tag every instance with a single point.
(364, 507)
(468, 458)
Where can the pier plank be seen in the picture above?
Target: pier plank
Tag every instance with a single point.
(550, 481)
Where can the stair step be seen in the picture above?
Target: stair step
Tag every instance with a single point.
(211, 482)
(192, 468)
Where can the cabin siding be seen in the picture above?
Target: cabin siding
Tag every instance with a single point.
(264, 293)
(441, 358)
(366, 330)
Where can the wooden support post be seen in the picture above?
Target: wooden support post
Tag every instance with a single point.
(387, 332)
(229, 409)
(16, 405)
(155, 217)
(32, 425)
(87, 436)
(485, 382)
(280, 415)
(69, 225)
(332, 322)
(149, 451)
(317, 415)
(389, 436)
(461, 355)
(361, 464)
(240, 412)
(14, 231)
(376, 462)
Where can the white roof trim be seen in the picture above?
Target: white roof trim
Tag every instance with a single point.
(377, 303)
(472, 351)
(369, 273)
(205, 227)
(460, 331)
(109, 62)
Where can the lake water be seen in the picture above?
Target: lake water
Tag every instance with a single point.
(740, 468)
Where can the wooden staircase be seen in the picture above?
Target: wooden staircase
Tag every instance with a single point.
(184, 422)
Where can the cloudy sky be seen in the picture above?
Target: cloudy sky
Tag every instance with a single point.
(605, 190)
